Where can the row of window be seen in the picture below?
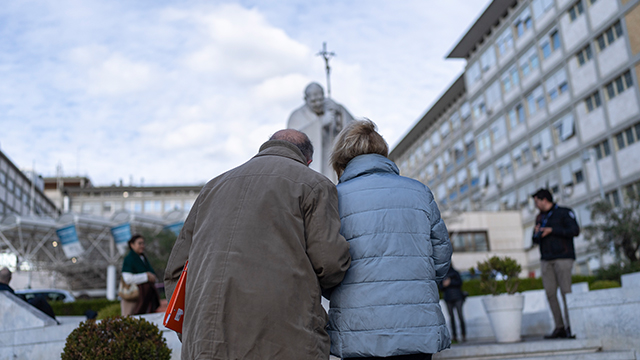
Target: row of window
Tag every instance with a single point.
(149, 207)
(623, 139)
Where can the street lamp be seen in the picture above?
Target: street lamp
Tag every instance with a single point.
(586, 156)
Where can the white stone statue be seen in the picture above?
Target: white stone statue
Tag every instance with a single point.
(321, 119)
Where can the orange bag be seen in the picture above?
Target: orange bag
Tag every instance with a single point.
(175, 310)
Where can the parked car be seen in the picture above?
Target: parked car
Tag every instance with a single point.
(50, 294)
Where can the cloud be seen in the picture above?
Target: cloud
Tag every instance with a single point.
(180, 92)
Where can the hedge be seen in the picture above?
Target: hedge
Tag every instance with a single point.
(79, 307)
(472, 286)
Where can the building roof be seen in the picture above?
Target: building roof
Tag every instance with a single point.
(456, 90)
(475, 35)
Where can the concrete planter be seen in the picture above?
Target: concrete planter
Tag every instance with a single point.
(505, 315)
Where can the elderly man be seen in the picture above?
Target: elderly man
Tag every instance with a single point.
(321, 119)
(38, 301)
(262, 242)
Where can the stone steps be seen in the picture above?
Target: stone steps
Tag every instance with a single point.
(534, 349)
(528, 349)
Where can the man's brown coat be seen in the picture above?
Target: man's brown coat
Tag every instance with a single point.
(261, 240)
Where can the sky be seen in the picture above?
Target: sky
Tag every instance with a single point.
(159, 92)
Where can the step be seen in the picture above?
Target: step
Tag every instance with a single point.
(600, 355)
(520, 350)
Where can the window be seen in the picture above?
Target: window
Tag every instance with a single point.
(3, 177)
(473, 173)
(10, 185)
(474, 241)
(592, 101)
(529, 62)
(473, 73)
(446, 157)
(487, 177)
(584, 55)
(632, 191)
(557, 84)
(602, 149)
(455, 120)
(523, 23)
(540, 7)
(541, 144)
(498, 130)
(451, 187)
(504, 165)
(505, 41)
(510, 79)
(465, 111)
(462, 180)
(550, 43)
(572, 173)
(564, 128)
(618, 85)
(469, 144)
(521, 155)
(426, 147)
(458, 151)
(613, 198)
(484, 141)
(536, 101)
(479, 107)
(576, 10)
(591, 2)
(445, 129)
(439, 164)
(487, 59)
(628, 136)
(435, 139)
(609, 36)
(516, 116)
(493, 94)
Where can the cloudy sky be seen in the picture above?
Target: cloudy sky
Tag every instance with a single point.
(177, 92)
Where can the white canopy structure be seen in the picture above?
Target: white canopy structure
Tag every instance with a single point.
(79, 247)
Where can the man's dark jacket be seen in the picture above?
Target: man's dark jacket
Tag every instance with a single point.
(558, 244)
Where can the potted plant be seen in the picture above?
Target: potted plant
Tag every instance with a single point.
(504, 309)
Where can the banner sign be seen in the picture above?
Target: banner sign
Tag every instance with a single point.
(69, 239)
(121, 236)
(175, 228)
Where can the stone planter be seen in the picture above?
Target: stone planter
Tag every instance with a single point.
(505, 315)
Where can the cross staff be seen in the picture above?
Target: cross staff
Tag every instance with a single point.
(327, 55)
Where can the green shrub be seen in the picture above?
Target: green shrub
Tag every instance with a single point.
(506, 266)
(474, 288)
(78, 307)
(615, 271)
(112, 310)
(117, 338)
(604, 284)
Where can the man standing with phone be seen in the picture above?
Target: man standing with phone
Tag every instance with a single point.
(554, 231)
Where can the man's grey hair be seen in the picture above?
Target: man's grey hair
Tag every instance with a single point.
(297, 138)
(5, 275)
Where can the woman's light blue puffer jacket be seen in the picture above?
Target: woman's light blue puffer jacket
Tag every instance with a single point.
(387, 303)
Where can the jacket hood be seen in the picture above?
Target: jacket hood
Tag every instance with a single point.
(368, 164)
(282, 148)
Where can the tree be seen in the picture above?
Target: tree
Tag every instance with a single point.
(617, 226)
(158, 249)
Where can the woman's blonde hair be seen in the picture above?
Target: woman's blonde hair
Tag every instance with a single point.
(359, 137)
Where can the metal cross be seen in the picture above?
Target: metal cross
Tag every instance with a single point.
(327, 55)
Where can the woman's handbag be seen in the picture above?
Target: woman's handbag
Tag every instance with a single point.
(175, 310)
(128, 292)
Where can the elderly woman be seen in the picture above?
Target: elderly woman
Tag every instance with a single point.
(136, 269)
(387, 305)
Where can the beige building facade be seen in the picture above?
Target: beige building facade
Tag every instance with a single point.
(549, 99)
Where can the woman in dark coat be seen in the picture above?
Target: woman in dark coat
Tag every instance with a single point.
(454, 297)
(136, 269)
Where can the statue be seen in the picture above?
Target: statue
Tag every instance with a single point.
(321, 119)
